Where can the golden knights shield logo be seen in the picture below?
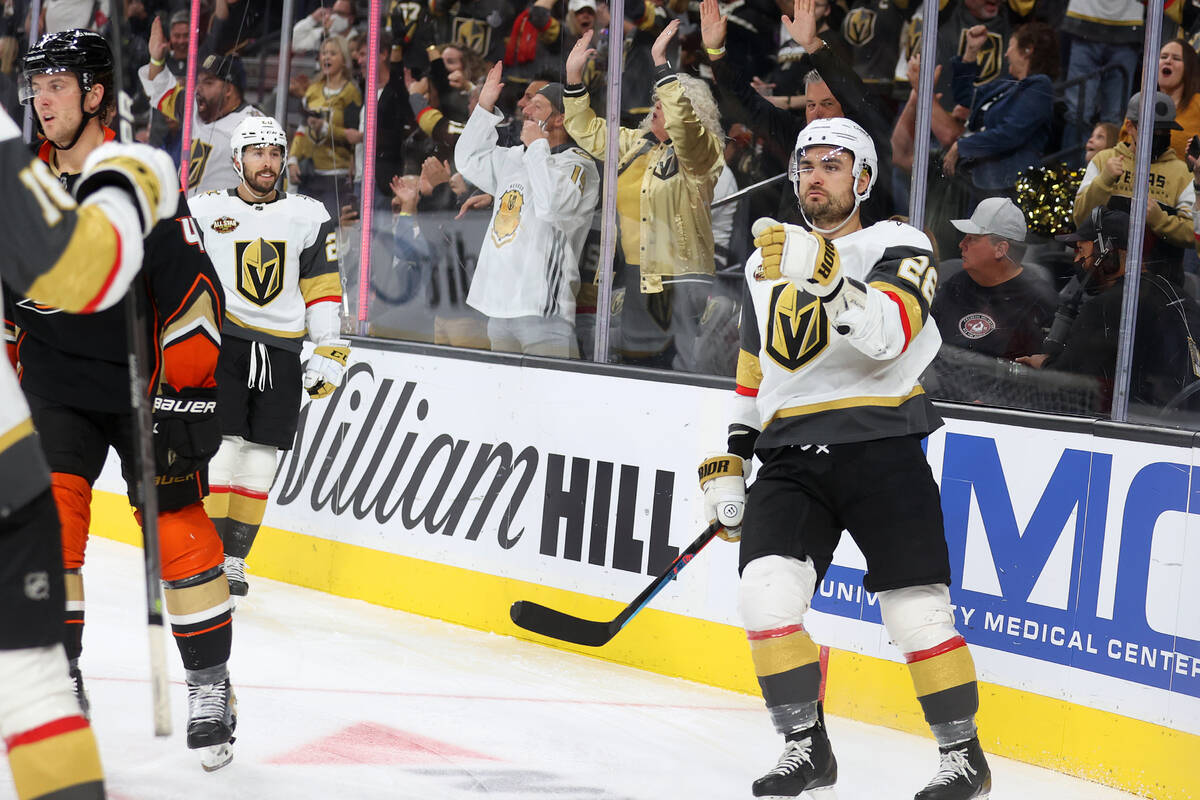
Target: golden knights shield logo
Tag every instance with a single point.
(508, 217)
(198, 162)
(473, 33)
(991, 55)
(859, 27)
(796, 334)
(260, 269)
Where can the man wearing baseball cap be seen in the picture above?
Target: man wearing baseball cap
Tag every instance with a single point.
(1108, 182)
(995, 306)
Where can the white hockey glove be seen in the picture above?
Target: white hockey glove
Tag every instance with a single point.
(794, 254)
(323, 372)
(723, 481)
(145, 173)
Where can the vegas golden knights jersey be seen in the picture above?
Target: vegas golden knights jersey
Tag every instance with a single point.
(274, 259)
(801, 381)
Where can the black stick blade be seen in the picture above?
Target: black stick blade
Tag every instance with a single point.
(557, 625)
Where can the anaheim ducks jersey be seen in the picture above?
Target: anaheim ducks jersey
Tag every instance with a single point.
(801, 381)
(77, 257)
(544, 200)
(274, 259)
(210, 159)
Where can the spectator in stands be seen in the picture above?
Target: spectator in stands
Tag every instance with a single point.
(669, 168)
(534, 48)
(1108, 181)
(1163, 361)
(1179, 79)
(478, 25)
(333, 104)
(953, 23)
(835, 91)
(1102, 34)
(581, 17)
(546, 193)
(1009, 126)
(325, 21)
(394, 120)
(1104, 136)
(994, 306)
(177, 44)
(792, 63)
(872, 30)
(65, 15)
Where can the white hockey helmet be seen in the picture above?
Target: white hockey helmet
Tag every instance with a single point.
(252, 132)
(841, 133)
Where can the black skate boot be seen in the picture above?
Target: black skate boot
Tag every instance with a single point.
(235, 573)
(806, 765)
(81, 694)
(962, 775)
(212, 718)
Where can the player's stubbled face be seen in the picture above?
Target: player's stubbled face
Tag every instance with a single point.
(261, 166)
(824, 181)
(56, 100)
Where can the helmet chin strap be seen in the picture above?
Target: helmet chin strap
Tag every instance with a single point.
(857, 202)
(87, 117)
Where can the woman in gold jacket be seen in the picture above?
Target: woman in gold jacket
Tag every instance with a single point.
(668, 169)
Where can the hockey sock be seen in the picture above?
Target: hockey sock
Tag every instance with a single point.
(787, 663)
(944, 678)
(246, 510)
(73, 637)
(58, 759)
(201, 618)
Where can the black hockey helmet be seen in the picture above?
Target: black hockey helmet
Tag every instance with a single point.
(82, 52)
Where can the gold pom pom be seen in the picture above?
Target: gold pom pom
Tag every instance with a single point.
(1047, 197)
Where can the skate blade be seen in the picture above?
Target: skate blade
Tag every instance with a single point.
(213, 757)
(824, 793)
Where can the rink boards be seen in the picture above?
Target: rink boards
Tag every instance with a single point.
(452, 487)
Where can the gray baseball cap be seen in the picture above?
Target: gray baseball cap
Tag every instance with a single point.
(998, 216)
(1163, 108)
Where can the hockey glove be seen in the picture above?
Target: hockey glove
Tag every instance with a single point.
(186, 430)
(792, 253)
(723, 481)
(323, 373)
(145, 173)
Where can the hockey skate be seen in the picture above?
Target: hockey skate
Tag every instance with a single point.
(81, 694)
(806, 765)
(235, 573)
(962, 775)
(212, 718)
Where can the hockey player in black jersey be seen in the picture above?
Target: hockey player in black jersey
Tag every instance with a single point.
(835, 334)
(74, 371)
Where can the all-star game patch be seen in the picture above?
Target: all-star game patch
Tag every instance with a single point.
(224, 224)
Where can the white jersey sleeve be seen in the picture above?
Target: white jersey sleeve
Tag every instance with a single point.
(476, 154)
(562, 186)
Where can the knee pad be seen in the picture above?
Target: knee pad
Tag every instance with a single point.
(918, 617)
(34, 689)
(255, 470)
(223, 464)
(73, 497)
(188, 543)
(775, 591)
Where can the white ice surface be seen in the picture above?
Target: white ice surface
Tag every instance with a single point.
(342, 699)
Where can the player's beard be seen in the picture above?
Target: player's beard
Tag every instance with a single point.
(262, 185)
(827, 211)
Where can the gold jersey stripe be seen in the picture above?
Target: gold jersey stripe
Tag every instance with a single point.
(912, 307)
(318, 286)
(749, 370)
(83, 269)
(201, 308)
(56, 763)
(946, 671)
(15, 434)
(846, 402)
(206, 596)
(269, 331)
(783, 653)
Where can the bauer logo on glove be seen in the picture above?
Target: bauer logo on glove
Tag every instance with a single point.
(791, 253)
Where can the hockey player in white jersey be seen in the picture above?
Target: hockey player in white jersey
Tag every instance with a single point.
(276, 255)
(835, 334)
(546, 191)
(219, 109)
(80, 257)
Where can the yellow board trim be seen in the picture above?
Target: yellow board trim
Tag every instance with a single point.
(1118, 751)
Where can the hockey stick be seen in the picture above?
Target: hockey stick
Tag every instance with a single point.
(143, 426)
(590, 633)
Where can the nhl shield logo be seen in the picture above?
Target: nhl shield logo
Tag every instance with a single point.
(260, 269)
(224, 224)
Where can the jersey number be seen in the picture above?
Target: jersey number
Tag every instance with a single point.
(49, 193)
(331, 247)
(920, 274)
(191, 233)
